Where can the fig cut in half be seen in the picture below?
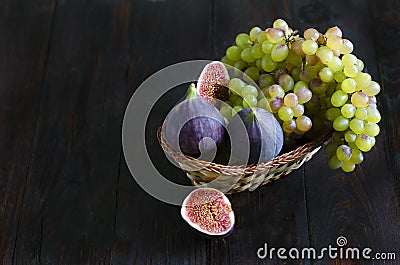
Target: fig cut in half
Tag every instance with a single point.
(213, 82)
(208, 211)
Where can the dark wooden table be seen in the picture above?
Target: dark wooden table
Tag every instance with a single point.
(67, 71)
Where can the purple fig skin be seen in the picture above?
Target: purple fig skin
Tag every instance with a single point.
(264, 136)
(189, 122)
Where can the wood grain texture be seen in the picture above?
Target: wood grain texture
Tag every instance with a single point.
(67, 71)
(23, 52)
(69, 205)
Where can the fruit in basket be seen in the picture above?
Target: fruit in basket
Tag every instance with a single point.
(194, 126)
(213, 82)
(263, 136)
(208, 211)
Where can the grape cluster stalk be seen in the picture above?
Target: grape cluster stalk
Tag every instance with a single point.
(311, 83)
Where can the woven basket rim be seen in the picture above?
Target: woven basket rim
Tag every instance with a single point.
(282, 159)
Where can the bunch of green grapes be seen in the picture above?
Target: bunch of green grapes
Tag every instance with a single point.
(310, 82)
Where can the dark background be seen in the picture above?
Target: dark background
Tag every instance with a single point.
(67, 71)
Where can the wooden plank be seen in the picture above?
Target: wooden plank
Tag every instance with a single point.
(362, 206)
(274, 214)
(24, 35)
(149, 231)
(69, 206)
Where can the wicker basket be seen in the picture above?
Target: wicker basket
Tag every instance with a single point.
(232, 179)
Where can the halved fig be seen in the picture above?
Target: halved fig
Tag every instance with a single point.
(213, 82)
(208, 211)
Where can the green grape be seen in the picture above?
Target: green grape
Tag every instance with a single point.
(275, 104)
(296, 73)
(276, 91)
(264, 104)
(256, 51)
(249, 90)
(371, 129)
(340, 123)
(373, 115)
(275, 35)
(268, 65)
(330, 149)
(333, 31)
(291, 100)
(296, 47)
(233, 53)
(343, 152)
(249, 101)
(252, 72)
(326, 74)
(261, 37)
(243, 40)
(347, 47)
(304, 95)
(226, 111)
(236, 109)
(335, 64)
(329, 92)
(372, 89)
(357, 126)
(349, 59)
(312, 59)
(286, 82)
(348, 166)
(267, 47)
(339, 76)
(279, 52)
(299, 85)
(289, 126)
(226, 61)
(363, 80)
(364, 142)
(348, 111)
(253, 33)
(349, 85)
(303, 123)
(311, 34)
(334, 42)
(246, 55)
(280, 24)
(361, 113)
(352, 145)
(236, 85)
(309, 47)
(298, 110)
(305, 76)
(325, 54)
(360, 64)
(317, 86)
(265, 80)
(294, 59)
(360, 99)
(235, 100)
(240, 65)
(356, 156)
(339, 98)
(334, 162)
(350, 136)
(350, 70)
(285, 113)
(258, 63)
(332, 113)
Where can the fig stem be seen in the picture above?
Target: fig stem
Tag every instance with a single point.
(192, 92)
